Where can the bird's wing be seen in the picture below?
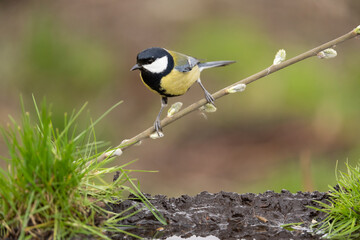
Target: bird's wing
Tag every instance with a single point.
(183, 63)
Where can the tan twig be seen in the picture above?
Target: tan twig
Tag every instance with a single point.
(273, 68)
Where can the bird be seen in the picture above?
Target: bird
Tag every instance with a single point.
(171, 74)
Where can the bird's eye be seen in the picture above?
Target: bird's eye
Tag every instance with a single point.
(151, 60)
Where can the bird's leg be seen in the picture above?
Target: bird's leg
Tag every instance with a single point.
(157, 125)
(208, 96)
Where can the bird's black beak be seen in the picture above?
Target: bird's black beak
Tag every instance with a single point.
(136, 66)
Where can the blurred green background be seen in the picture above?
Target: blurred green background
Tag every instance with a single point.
(285, 131)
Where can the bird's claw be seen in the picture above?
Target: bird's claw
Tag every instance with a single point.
(157, 127)
(209, 98)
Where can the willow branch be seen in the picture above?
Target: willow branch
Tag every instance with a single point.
(273, 68)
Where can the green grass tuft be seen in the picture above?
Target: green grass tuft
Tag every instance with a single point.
(54, 186)
(343, 209)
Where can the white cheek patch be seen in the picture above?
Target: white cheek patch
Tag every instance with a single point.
(158, 66)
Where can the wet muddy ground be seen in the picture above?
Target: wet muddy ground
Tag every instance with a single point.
(226, 215)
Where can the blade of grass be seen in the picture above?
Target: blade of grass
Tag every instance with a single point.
(26, 216)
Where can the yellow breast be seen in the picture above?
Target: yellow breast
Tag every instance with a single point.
(177, 83)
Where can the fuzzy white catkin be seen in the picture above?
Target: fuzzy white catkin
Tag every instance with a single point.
(209, 108)
(156, 135)
(357, 30)
(327, 53)
(279, 57)
(174, 108)
(237, 88)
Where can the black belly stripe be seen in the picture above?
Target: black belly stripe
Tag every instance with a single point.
(152, 80)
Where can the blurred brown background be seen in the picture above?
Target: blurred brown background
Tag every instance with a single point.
(285, 131)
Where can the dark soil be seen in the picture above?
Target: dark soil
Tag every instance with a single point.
(226, 215)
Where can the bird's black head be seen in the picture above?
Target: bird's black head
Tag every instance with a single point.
(154, 60)
(149, 55)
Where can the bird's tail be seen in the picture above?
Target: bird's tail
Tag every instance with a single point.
(206, 65)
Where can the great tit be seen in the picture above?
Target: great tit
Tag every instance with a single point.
(171, 74)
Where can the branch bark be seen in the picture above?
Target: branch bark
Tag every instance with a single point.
(273, 68)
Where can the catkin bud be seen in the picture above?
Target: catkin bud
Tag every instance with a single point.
(174, 109)
(237, 88)
(156, 135)
(209, 108)
(113, 153)
(357, 30)
(279, 57)
(327, 53)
